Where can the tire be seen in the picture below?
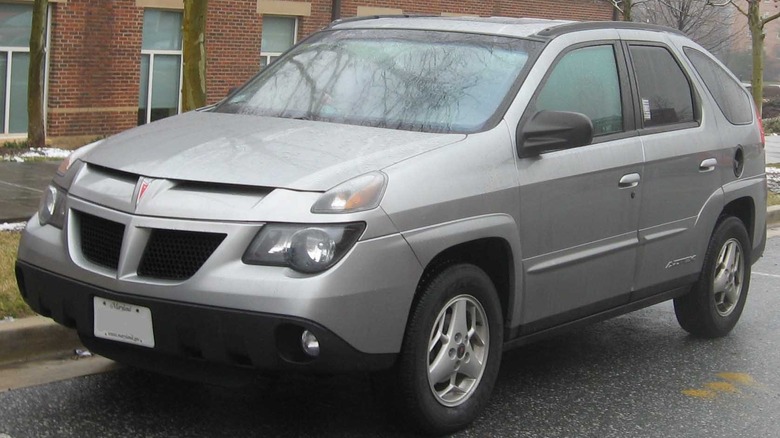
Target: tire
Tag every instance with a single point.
(713, 307)
(451, 351)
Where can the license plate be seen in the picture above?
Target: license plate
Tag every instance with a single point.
(123, 322)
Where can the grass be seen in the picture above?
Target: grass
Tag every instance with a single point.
(15, 144)
(11, 303)
(773, 199)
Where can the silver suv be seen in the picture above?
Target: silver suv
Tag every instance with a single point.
(413, 194)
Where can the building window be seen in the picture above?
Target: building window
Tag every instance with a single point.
(161, 66)
(279, 34)
(15, 27)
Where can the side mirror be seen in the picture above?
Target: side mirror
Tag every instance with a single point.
(553, 130)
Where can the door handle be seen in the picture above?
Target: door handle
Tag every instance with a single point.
(708, 165)
(629, 180)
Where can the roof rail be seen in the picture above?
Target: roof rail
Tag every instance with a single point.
(376, 17)
(595, 25)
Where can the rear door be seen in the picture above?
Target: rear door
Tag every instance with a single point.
(682, 152)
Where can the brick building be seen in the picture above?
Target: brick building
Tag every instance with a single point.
(739, 59)
(114, 64)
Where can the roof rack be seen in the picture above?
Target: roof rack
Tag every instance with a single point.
(376, 17)
(596, 25)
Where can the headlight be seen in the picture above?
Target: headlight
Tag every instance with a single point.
(358, 194)
(305, 248)
(52, 208)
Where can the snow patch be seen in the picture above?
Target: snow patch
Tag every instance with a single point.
(37, 154)
(13, 226)
(46, 153)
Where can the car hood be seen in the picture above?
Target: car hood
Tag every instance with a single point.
(259, 151)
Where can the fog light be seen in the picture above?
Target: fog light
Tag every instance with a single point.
(310, 344)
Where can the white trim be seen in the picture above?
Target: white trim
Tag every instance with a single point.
(160, 52)
(6, 112)
(149, 87)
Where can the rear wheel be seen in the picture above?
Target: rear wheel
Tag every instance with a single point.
(452, 350)
(714, 305)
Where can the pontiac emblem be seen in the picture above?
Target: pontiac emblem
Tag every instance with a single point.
(144, 185)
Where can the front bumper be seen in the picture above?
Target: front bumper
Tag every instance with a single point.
(195, 341)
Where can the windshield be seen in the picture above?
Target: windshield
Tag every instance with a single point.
(412, 80)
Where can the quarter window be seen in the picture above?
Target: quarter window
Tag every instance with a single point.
(159, 93)
(586, 81)
(278, 36)
(731, 98)
(15, 26)
(664, 91)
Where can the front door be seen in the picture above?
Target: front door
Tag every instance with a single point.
(579, 208)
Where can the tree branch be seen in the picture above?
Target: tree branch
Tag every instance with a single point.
(726, 3)
(770, 18)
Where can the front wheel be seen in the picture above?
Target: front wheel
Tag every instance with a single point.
(451, 351)
(715, 303)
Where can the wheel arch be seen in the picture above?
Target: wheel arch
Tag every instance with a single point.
(488, 242)
(743, 209)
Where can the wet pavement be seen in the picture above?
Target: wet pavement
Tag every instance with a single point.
(21, 186)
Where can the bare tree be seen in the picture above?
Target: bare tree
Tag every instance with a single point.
(756, 22)
(708, 26)
(36, 125)
(194, 55)
(625, 7)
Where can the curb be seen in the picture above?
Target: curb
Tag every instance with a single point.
(38, 337)
(35, 338)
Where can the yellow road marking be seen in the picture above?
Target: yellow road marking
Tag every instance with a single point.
(741, 378)
(727, 385)
(721, 387)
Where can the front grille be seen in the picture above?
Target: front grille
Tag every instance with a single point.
(101, 240)
(177, 255)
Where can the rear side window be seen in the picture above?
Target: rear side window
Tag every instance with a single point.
(731, 98)
(664, 91)
(586, 81)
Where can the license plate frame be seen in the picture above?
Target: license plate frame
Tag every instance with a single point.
(123, 322)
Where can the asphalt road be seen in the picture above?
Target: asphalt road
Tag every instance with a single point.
(638, 375)
(21, 187)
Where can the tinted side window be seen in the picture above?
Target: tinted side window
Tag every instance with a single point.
(664, 89)
(731, 98)
(586, 81)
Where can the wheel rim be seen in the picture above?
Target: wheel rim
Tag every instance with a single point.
(458, 350)
(729, 277)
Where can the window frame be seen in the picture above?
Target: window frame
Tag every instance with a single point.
(626, 101)
(269, 55)
(5, 123)
(636, 102)
(724, 70)
(160, 52)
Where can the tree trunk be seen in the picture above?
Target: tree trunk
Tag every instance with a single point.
(757, 45)
(627, 6)
(36, 125)
(194, 55)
